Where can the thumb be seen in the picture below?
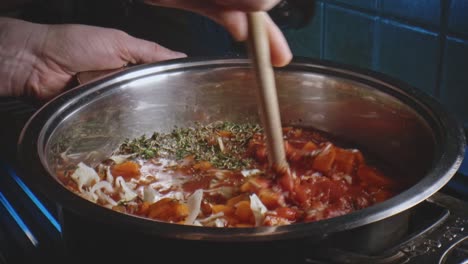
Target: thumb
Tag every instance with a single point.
(139, 51)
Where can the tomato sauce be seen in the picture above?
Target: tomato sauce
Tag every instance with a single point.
(325, 180)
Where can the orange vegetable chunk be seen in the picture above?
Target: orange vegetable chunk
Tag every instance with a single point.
(324, 161)
(271, 199)
(168, 209)
(227, 210)
(127, 169)
(309, 146)
(243, 212)
(344, 161)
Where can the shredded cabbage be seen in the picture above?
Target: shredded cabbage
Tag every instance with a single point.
(258, 209)
(194, 204)
(149, 194)
(102, 185)
(84, 176)
(247, 173)
(128, 194)
(109, 176)
(120, 158)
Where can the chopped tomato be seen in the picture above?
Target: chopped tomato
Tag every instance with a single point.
(287, 213)
(322, 181)
(271, 199)
(254, 184)
(309, 146)
(344, 161)
(324, 160)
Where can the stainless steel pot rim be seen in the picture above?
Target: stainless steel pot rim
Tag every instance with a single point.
(33, 136)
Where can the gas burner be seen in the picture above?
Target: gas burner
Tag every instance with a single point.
(437, 233)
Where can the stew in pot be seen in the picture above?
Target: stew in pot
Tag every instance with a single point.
(217, 175)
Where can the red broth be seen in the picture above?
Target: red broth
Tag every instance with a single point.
(325, 180)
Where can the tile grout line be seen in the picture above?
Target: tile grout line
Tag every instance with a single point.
(378, 12)
(323, 28)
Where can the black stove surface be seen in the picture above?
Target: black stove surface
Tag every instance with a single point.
(30, 230)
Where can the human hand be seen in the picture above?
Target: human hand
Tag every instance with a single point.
(231, 15)
(40, 60)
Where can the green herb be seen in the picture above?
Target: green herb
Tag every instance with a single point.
(223, 144)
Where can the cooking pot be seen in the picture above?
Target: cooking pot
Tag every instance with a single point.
(392, 121)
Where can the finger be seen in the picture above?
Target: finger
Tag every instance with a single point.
(236, 23)
(203, 5)
(280, 52)
(247, 5)
(138, 51)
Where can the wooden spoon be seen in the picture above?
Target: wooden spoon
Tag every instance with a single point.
(267, 96)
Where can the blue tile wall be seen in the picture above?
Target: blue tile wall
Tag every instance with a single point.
(454, 92)
(365, 4)
(458, 17)
(306, 42)
(418, 11)
(408, 53)
(421, 42)
(349, 37)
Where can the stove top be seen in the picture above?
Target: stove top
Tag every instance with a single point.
(30, 230)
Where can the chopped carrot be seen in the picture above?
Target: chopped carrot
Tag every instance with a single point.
(302, 193)
(168, 209)
(127, 169)
(271, 199)
(255, 184)
(324, 161)
(234, 200)
(144, 208)
(226, 209)
(244, 212)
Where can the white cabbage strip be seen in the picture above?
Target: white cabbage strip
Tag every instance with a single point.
(128, 193)
(194, 204)
(84, 176)
(258, 209)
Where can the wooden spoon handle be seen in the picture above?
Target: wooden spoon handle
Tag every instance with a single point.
(267, 95)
